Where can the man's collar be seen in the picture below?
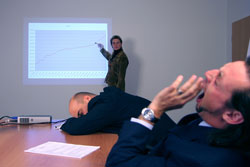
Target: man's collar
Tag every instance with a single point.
(203, 123)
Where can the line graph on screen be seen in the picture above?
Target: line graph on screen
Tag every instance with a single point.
(69, 51)
(62, 49)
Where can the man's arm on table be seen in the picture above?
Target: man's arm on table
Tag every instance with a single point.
(94, 121)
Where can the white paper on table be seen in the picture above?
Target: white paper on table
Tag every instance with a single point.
(63, 149)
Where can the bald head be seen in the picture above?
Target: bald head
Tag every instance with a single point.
(78, 104)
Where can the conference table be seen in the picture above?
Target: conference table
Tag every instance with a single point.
(15, 139)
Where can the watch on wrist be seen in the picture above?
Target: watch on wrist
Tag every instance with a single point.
(148, 114)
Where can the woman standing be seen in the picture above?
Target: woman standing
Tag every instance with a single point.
(117, 63)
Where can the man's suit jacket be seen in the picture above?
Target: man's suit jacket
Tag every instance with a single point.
(106, 112)
(184, 146)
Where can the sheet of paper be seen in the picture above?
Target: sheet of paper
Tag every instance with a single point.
(63, 149)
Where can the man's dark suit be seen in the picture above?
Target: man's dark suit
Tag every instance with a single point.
(106, 112)
(185, 146)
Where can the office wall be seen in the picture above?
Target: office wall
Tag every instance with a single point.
(162, 38)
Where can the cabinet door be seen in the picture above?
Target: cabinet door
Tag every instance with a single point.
(240, 38)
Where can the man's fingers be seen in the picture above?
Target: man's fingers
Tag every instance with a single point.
(193, 90)
(188, 84)
(177, 82)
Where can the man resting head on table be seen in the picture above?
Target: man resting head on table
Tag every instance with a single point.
(102, 113)
(107, 112)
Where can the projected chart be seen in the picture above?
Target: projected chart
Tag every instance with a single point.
(66, 50)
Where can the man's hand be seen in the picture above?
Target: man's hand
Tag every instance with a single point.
(176, 96)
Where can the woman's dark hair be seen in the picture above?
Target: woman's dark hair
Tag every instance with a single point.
(236, 136)
(115, 37)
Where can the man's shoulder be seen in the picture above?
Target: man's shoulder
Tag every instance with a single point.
(111, 89)
(112, 92)
(190, 150)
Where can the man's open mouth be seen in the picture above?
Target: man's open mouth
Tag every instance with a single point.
(198, 101)
(199, 98)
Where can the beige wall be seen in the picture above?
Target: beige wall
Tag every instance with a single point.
(162, 38)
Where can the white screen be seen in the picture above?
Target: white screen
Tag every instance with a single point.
(63, 51)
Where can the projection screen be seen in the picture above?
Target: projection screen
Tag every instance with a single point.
(64, 50)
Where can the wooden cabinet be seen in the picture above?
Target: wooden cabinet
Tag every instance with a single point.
(240, 38)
